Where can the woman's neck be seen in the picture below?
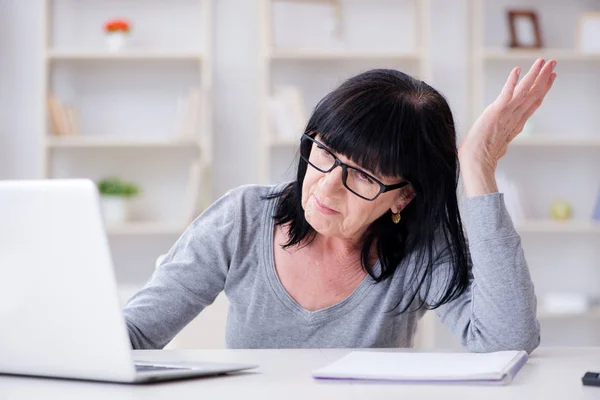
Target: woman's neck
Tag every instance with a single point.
(343, 252)
(342, 249)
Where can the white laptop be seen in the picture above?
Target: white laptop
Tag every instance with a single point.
(59, 309)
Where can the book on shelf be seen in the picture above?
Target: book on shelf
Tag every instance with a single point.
(63, 118)
(188, 113)
(287, 112)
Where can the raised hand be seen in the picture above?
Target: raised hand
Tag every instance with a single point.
(488, 139)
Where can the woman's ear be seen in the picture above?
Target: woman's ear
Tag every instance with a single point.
(403, 199)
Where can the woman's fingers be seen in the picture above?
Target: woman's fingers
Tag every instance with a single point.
(540, 88)
(517, 102)
(533, 106)
(522, 91)
(508, 90)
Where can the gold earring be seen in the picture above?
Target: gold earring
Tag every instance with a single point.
(396, 217)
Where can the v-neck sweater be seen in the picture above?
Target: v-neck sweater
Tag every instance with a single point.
(229, 248)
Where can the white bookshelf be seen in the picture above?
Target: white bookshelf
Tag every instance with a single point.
(61, 55)
(565, 227)
(341, 55)
(568, 141)
(559, 160)
(127, 101)
(544, 315)
(377, 34)
(117, 142)
(564, 55)
(130, 120)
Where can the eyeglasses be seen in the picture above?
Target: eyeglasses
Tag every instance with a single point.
(355, 180)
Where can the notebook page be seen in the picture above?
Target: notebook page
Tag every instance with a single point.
(419, 366)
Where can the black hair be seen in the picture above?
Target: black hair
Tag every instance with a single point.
(395, 126)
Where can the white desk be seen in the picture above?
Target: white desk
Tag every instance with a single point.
(551, 373)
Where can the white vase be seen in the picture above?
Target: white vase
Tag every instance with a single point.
(115, 41)
(114, 209)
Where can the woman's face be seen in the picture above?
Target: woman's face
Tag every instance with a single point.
(334, 211)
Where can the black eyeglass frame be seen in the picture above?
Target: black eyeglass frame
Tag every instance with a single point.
(382, 187)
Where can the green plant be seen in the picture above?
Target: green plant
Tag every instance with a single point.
(117, 187)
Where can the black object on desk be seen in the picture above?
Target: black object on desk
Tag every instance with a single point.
(591, 379)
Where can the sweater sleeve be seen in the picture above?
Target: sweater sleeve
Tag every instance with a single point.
(190, 277)
(498, 309)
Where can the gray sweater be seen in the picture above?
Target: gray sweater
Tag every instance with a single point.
(230, 247)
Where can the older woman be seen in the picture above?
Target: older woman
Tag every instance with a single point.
(368, 236)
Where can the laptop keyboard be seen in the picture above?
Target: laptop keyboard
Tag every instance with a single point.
(147, 368)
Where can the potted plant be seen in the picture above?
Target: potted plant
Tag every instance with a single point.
(114, 199)
(116, 34)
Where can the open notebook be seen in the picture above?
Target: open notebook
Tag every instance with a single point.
(499, 367)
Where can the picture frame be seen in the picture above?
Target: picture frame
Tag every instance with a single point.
(587, 37)
(524, 28)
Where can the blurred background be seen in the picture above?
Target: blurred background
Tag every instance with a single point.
(169, 104)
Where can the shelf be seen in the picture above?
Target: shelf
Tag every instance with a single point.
(556, 142)
(115, 142)
(59, 55)
(549, 226)
(343, 55)
(529, 54)
(145, 228)
(593, 313)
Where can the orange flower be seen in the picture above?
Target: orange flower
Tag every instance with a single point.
(117, 25)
